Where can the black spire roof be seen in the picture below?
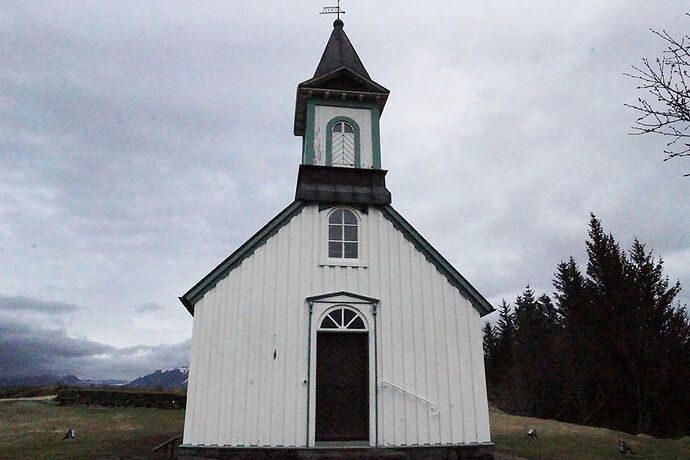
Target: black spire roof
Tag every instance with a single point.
(339, 53)
(340, 74)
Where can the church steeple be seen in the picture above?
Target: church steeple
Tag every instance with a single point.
(339, 53)
(337, 110)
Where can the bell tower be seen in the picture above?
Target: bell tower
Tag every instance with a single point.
(337, 114)
(338, 109)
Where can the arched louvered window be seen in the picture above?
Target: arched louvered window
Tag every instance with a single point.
(343, 144)
(343, 235)
(343, 319)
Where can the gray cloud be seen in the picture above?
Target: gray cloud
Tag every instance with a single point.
(19, 303)
(28, 350)
(149, 307)
(138, 148)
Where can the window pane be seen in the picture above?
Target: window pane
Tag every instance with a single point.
(350, 250)
(357, 324)
(335, 232)
(348, 128)
(336, 217)
(338, 127)
(348, 315)
(335, 250)
(350, 233)
(349, 217)
(328, 323)
(336, 316)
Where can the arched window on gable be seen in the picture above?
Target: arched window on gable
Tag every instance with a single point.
(343, 235)
(342, 144)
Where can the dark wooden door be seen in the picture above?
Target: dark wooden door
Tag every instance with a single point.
(342, 386)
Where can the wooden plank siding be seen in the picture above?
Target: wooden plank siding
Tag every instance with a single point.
(428, 339)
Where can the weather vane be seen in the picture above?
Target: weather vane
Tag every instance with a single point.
(332, 10)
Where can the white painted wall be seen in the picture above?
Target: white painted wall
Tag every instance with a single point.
(325, 113)
(428, 338)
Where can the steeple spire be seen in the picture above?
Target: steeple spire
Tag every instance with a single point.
(339, 53)
(340, 80)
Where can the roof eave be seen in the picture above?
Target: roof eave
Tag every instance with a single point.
(442, 265)
(376, 93)
(314, 82)
(191, 297)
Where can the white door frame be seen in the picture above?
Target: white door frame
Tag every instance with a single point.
(318, 307)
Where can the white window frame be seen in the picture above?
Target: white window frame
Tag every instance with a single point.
(327, 261)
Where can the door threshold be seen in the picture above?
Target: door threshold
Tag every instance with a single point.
(332, 444)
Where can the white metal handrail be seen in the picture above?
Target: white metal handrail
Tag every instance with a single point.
(434, 408)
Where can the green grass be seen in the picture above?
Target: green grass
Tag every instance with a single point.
(558, 440)
(34, 430)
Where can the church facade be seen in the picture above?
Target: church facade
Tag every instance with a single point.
(337, 325)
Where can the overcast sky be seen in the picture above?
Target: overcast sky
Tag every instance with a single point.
(143, 142)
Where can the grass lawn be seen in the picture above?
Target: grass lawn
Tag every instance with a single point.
(558, 440)
(33, 429)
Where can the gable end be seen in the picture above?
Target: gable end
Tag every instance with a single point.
(442, 265)
(207, 283)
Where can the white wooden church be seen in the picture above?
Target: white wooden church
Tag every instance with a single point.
(337, 327)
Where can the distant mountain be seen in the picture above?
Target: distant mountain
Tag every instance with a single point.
(169, 379)
(41, 380)
(51, 380)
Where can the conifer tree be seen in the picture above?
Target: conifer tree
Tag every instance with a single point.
(613, 350)
(574, 344)
(653, 370)
(489, 343)
(502, 362)
(606, 318)
(533, 352)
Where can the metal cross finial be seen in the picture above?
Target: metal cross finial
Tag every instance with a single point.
(332, 10)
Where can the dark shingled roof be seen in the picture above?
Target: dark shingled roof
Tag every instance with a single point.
(340, 74)
(339, 53)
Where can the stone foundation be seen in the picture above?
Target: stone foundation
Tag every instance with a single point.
(446, 452)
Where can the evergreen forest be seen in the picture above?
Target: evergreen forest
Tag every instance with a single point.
(610, 348)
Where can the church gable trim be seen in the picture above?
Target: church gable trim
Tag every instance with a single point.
(442, 265)
(191, 297)
(342, 297)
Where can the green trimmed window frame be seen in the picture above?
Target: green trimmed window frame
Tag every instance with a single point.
(329, 140)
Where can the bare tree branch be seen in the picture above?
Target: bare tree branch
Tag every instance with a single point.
(665, 110)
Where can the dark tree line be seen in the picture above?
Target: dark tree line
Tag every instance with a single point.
(612, 348)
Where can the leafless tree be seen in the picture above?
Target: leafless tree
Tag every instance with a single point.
(665, 109)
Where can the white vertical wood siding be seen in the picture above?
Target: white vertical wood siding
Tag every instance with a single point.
(428, 335)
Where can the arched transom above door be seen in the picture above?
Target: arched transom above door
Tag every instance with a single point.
(343, 318)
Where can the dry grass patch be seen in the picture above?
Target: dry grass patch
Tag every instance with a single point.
(559, 440)
(34, 429)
